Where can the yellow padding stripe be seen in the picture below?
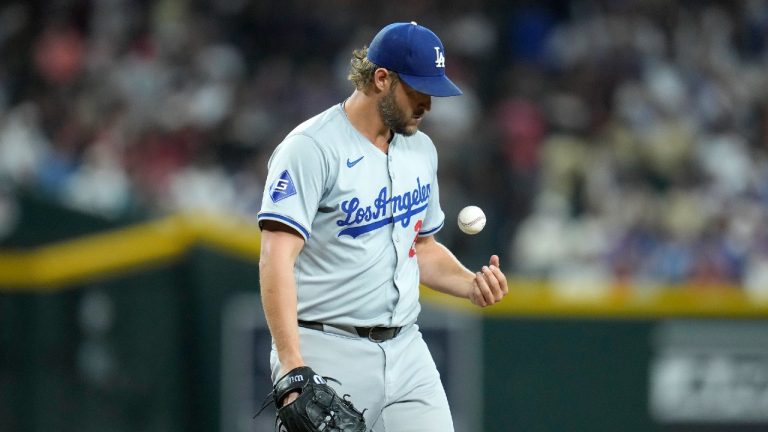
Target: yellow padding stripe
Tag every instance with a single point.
(63, 265)
(55, 266)
(527, 298)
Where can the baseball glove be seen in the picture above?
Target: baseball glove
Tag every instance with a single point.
(317, 409)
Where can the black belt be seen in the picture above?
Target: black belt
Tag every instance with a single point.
(374, 334)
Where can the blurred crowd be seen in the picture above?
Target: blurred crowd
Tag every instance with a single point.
(610, 142)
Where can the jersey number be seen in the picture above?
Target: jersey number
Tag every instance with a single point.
(417, 228)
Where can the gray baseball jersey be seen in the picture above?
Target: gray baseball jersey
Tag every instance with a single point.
(359, 211)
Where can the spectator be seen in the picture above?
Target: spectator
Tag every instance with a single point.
(611, 143)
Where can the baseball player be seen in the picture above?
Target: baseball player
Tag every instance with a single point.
(350, 209)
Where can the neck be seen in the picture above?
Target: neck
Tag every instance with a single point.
(364, 115)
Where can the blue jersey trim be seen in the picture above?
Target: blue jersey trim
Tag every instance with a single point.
(287, 220)
(432, 231)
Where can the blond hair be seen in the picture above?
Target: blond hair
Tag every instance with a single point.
(361, 69)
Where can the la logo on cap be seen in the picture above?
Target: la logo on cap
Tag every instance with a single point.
(416, 54)
(440, 58)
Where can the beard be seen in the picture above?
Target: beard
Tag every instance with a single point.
(393, 116)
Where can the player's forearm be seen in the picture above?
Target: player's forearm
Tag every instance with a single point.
(278, 296)
(279, 250)
(440, 270)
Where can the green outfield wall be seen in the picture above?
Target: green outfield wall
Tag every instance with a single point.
(117, 325)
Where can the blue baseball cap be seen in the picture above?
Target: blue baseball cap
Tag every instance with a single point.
(416, 54)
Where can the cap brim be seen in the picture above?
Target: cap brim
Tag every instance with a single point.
(439, 86)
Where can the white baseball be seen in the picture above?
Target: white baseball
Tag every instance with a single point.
(471, 219)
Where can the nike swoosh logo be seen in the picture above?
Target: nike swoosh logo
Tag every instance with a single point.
(354, 162)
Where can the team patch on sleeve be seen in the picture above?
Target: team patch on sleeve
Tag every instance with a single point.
(282, 187)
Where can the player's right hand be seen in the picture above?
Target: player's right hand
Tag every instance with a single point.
(290, 398)
(292, 395)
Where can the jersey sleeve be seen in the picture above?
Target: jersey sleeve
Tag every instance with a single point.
(434, 218)
(295, 181)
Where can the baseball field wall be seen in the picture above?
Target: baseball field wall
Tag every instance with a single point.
(120, 325)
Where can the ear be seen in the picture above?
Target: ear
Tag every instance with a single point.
(381, 79)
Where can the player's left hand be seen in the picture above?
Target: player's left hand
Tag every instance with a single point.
(490, 284)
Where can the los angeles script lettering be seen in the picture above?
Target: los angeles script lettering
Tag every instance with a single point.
(404, 207)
